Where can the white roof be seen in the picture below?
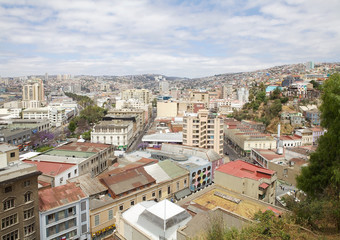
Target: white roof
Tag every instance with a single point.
(164, 137)
(157, 173)
(28, 155)
(165, 209)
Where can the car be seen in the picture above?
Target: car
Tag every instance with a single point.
(226, 153)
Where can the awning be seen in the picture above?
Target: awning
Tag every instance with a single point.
(182, 193)
(264, 185)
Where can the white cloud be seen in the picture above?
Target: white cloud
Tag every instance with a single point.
(188, 39)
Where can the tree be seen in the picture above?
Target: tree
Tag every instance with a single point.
(72, 126)
(321, 178)
(87, 135)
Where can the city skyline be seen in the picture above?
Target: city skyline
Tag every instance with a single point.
(174, 38)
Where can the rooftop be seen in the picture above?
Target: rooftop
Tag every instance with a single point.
(59, 196)
(4, 147)
(243, 169)
(51, 168)
(91, 186)
(84, 147)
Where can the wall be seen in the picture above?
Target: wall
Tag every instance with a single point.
(167, 109)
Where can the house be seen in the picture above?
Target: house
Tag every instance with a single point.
(248, 179)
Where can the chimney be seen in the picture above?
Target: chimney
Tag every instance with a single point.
(279, 149)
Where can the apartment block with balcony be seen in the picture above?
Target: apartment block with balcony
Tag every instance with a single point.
(203, 130)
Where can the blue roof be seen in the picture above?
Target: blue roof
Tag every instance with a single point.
(272, 88)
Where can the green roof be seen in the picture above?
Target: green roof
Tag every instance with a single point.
(65, 153)
(172, 169)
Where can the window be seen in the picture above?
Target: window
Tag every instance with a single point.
(185, 182)
(83, 217)
(96, 220)
(51, 230)
(12, 154)
(110, 214)
(69, 175)
(83, 206)
(28, 213)
(61, 226)
(8, 189)
(71, 211)
(27, 183)
(121, 207)
(132, 203)
(50, 218)
(169, 190)
(28, 196)
(144, 198)
(8, 204)
(28, 230)
(75, 171)
(153, 194)
(72, 222)
(11, 236)
(61, 180)
(84, 228)
(9, 221)
(159, 193)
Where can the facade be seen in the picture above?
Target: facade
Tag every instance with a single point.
(317, 133)
(313, 116)
(19, 199)
(33, 95)
(199, 97)
(167, 109)
(164, 87)
(138, 113)
(117, 132)
(247, 179)
(142, 94)
(306, 136)
(56, 115)
(64, 213)
(203, 130)
(259, 126)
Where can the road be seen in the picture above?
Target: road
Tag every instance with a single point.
(232, 154)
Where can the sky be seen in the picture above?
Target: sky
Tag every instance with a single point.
(185, 38)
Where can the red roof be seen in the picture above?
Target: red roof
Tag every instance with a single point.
(51, 168)
(264, 185)
(58, 196)
(243, 169)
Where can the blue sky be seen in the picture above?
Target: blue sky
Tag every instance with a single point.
(188, 38)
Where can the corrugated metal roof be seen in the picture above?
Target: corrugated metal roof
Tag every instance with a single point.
(157, 173)
(91, 186)
(51, 168)
(58, 196)
(172, 169)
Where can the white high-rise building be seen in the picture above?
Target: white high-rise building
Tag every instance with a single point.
(164, 87)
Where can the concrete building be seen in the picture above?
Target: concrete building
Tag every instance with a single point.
(157, 139)
(313, 116)
(56, 115)
(247, 179)
(196, 96)
(317, 133)
(164, 87)
(117, 132)
(64, 213)
(138, 113)
(150, 220)
(141, 94)
(19, 196)
(33, 95)
(203, 130)
(167, 109)
(306, 134)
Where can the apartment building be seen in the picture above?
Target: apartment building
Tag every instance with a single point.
(19, 214)
(196, 96)
(117, 132)
(143, 95)
(64, 213)
(33, 95)
(247, 179)
(138, 113)
(203, 130)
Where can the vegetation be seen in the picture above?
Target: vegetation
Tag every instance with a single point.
(81, 100)
(320, 180)
(266, 226)
(44, 148)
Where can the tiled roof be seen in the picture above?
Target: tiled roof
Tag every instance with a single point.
(243, 169)
(58, 196)
(127, 180)
(172, 169)
(51, 168)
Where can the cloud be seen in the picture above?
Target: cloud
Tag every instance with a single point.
(182, 38)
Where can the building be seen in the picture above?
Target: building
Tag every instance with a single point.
(33, 95)
(19, 196)
(258, 126)
(247, 179)
(203, 130)
(56, 115)
(313, 116)
(164, 87)
(243, 138)
(306, 136)
(167, 109)
(157, 139)
(196, 96)
(64, 213)
(117, 132)
(54, 174)
(93, 158)
(138, 113)
(141, 94)
(152, 220)
(317, 133)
